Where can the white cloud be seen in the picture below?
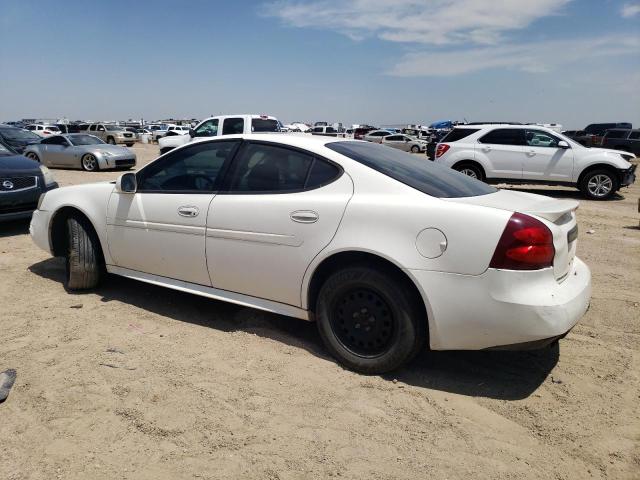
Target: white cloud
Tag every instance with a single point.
(630, 10)
(534, 57)
(436, 22)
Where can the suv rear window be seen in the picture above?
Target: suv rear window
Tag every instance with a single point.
(428, 177)
(504, 136)
(264, 125)
(458, 134)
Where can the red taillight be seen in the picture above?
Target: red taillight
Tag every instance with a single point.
(525, 244)
(441, 149)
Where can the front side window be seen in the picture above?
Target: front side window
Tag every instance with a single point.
(194, 169)
(262, 168)
(232, 126)
(538, 138)
(431, 178)
(504, 136)
(634, 135)
(616, 134)
(208, 128)
(55, 140)
(100, 128)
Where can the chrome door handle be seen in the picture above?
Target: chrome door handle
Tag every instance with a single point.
(531, 153)
(304, 216)
(486, 149)
(188, 211)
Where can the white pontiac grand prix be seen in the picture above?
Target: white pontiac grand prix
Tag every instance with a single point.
(385, 251)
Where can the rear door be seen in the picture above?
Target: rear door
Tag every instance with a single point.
(544, 160)
(280, 207)
(503, 148)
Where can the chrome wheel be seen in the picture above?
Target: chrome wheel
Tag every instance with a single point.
(89, 163)
(470, 172)
(600, 185)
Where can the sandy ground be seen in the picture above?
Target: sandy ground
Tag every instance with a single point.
(138, 382)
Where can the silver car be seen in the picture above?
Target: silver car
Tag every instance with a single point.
(376, 136)
(405, 142)
(79, 150)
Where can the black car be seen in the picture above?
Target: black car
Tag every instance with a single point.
(622, 139)
(16, 138)
(22, 181)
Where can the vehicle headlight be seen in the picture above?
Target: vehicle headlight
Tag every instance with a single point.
(47, 175)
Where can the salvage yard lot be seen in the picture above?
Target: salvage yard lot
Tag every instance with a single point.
(137, 381)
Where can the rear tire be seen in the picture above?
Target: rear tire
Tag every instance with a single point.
(470, 169)
(369, 321)
(599, 184)
(84, 266)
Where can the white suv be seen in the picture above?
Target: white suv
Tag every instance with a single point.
(534, 154)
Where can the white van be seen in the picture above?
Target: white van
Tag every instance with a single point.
(222, 125)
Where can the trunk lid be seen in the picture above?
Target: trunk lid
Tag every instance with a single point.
(558, 215)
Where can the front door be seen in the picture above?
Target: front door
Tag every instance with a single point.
(279, 208)
(161, 228)
(544, 160)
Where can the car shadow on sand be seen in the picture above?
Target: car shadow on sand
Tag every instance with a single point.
(14, 227)
(493, 374)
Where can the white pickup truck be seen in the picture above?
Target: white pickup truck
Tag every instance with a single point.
(222, 125)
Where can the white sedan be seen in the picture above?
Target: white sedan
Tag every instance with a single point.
(386, 252)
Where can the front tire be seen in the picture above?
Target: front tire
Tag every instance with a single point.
(84, 268)
(369, 321)
(599, 184)
(415, 149)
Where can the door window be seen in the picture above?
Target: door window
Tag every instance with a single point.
(193, 169)
(57, 140)
(504, 136)
(100, 128)
(394, 138)
(264, 168)
(634, 135)
(538, 138)
(232, 126)
(208, 128)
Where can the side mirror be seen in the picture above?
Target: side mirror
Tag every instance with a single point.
(192, 132)
(563, 144)
(127, 183)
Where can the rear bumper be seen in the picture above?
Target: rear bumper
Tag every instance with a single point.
(502, 307)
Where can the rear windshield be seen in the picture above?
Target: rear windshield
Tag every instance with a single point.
(264, 125)
(458, 134)
(417, 172)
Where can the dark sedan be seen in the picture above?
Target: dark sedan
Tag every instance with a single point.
(22, 181)
(17, 138)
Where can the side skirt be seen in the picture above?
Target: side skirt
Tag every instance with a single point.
(214, 293)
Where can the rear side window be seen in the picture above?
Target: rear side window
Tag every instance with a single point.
(231, 126)
(616, 134)
(504, 136)
(264, 125)
(458, 134)
(262, 168)
(428, 177)
(634, 135)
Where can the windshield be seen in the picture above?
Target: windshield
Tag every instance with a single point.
(78, 140)
(417, 172)
(113, 128)
(264, 125)
(19, 134)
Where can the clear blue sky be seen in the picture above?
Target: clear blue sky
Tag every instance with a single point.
(361, 61)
